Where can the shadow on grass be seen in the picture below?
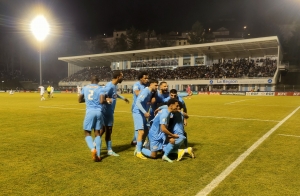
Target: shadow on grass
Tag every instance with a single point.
(121, 148)
(117, 149)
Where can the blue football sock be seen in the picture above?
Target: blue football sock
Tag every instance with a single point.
(108, 145)
(98, 145)
(168, 149)
(146, 152)
(139, 146)
(89, 142)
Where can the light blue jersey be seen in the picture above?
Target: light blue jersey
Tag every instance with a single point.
(93, 118)
(176, 123)
(156, 136)
(91, 94)
(136, 86)
(111, 92)
(143, 101)
(179, 99)
(159, 99)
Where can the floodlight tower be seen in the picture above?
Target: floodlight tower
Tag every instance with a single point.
(40, 29)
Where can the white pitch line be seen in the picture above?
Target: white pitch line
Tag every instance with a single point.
(73, 108)
(289, 135)
(264, 105)
(241, 101)
(124, 111)
(61, 108)
(235, 101)
(215, 182)
(63, 105)
(234, 118)
(189, 115)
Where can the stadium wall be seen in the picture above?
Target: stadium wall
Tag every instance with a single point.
(257, 84)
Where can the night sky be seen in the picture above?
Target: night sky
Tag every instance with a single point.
(82, 19)
(91, 17)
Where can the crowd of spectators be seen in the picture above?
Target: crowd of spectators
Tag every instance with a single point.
(241, 68)
(10, 75)
(155, 63)
(103, 72)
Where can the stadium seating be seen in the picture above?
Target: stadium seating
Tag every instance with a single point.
(241, 68)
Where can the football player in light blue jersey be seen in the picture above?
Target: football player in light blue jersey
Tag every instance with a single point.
(176, 126)
(91, 94)
(140, 114)
(159, 133)
(109, 104)
(159, 98)
(137, 88)
(174, 95)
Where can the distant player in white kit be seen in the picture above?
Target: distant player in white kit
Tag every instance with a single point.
(51, 91)
(79, 90)
(42, 92)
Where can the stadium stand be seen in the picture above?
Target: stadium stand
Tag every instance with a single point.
(238, 65)
(241, 68)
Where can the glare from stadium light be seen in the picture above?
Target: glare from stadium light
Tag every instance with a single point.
(245, 27)
(40, 28)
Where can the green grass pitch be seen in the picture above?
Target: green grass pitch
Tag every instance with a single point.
(43, 151)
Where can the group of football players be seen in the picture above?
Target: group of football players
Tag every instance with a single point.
(159, 117)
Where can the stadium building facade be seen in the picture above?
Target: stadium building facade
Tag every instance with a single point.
(239, 65)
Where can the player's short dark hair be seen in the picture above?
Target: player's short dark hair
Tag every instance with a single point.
(95, 79)
(142, 74)
(116, 74)
(173, 91)
(161, 83)
(172, 101)
(153, 81)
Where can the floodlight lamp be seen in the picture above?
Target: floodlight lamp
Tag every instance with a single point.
(40, 27)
